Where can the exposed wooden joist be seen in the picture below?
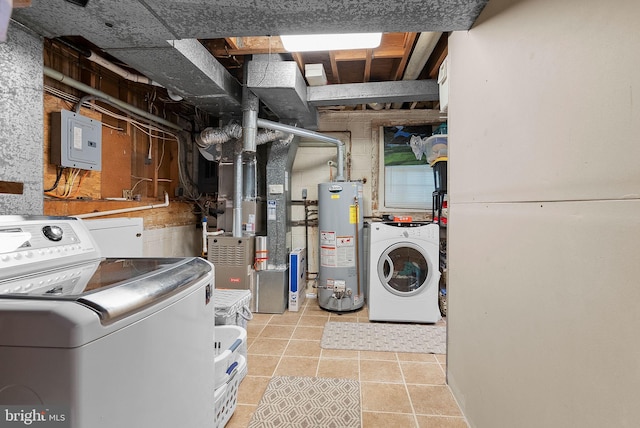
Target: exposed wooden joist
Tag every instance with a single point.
(298, 59)
(440, 51)
(439, 60)
(334, 67)
(232, 42)
(367, 65)
(251, 46)
(409, 40)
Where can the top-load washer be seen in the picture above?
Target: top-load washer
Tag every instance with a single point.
(92, 342)
(404, 272)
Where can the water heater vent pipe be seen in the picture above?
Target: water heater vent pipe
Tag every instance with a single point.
(301, 132)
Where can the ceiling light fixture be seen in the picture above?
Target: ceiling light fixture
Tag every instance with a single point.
(330, 42)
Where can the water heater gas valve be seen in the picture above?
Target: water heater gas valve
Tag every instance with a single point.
(339, 286)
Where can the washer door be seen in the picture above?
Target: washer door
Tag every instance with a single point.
(404, 270)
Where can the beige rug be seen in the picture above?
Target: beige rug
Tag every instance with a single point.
(386, 337)
(308, 402)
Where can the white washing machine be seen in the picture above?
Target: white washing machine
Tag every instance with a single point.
(403, 272)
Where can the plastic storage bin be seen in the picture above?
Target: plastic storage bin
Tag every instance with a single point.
(437, 148)
(228, 350)
(226, 395)
(232, 307)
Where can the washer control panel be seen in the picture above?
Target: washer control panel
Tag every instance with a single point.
(428, 231)
(31, 244)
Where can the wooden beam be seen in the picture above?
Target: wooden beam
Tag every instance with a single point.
(367, 65)
(231, 41)
(361, 54)
(409, 40)
(432, 67)
(250, 46)
(11, 187)
(334, 67)
(297, 57)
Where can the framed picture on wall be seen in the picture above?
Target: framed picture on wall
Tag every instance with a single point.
(408, 177)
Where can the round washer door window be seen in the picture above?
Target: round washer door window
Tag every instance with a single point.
(403, 269)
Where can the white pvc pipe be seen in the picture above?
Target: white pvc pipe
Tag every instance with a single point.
(125, 210)
(120, 71)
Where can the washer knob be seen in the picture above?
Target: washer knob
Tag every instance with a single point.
(53, 233)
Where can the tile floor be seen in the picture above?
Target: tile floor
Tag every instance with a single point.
(396, 389)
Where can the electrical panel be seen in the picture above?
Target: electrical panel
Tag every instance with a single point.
(76, 141)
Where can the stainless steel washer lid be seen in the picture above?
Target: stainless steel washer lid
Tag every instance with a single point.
(74, 311)
(124, 298)
(113, 288)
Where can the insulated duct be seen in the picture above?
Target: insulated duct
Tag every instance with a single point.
(233, 131)
(312, 135)
(210, 136)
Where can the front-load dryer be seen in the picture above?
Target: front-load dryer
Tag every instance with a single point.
(404, 274)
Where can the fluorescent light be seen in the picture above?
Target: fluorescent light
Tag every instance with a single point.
(331, 42)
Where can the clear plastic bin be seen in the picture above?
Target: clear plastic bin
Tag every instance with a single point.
(437, 148)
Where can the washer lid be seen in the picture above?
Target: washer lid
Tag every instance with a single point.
(113, 288)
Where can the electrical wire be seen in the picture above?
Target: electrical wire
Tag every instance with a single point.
(185, 180)
(59, 171)
(70, 179)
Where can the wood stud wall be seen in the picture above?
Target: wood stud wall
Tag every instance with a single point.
(124, 150)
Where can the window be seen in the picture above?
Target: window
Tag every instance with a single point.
(408, 177)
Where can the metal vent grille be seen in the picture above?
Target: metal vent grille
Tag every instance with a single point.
(228, 251)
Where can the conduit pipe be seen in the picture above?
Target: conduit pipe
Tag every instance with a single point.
(125, 210)
(56, 75)
(276, 126)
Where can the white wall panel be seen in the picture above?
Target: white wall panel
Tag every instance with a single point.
(544, 102)
(543, 313)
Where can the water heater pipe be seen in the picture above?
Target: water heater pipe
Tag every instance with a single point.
(276, 126)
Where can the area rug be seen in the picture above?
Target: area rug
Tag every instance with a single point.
(308, 402)
(428, 339)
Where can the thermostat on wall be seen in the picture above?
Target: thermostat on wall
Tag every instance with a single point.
(76, 141)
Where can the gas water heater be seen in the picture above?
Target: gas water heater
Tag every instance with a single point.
(340, 226)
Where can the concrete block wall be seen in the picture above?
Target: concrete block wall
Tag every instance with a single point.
(21, 120)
